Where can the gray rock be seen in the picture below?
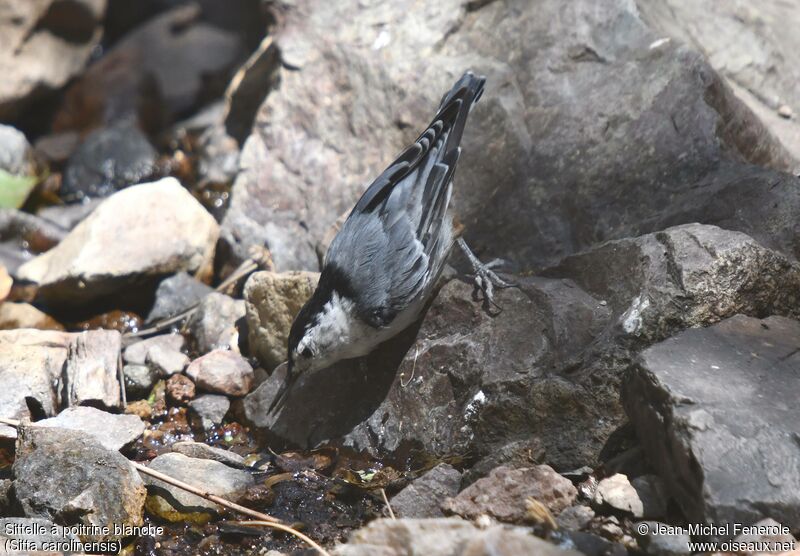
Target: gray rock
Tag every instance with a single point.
(443, 537)
(541, 378)
(112, 431)
(31, 362)
(204, 451)
(616, 494)
(91, 371)
(575, 517)
(750, 45)
(712, 405)
(172, 504)
(662, 539)
(272, 301)
(423, 497)
(42, 45)
(550, 147)
(16, 155)
(213, 324)
(89, 174)
(139, 379)
(137, 234)
(209, 409)
(176, 294)
(222, 372)
(502, 494)
(165, 361)
(32, 534)
(90, 484)
(136, 353)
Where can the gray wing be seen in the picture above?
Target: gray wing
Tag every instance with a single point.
(393, 243)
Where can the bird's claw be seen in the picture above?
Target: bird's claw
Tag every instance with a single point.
(485, 281)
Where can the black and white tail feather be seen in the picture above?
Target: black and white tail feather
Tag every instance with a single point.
(382, 266)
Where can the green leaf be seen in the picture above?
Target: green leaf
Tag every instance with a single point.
(15, 189)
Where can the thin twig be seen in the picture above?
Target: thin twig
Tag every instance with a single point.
(388, 506)
(199, 492)
(282, 527)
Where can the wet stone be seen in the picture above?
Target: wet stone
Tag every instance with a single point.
(200, 450)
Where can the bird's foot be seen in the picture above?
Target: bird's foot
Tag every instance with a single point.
(485, 280)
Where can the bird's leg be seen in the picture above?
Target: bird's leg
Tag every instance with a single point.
(485, 279)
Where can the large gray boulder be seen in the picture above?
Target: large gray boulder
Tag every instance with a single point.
(543, 376)
(753, 45)
(716, 411)
(590, 128)
(69, 477)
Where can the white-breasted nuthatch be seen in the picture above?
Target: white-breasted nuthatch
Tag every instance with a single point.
(381, 268)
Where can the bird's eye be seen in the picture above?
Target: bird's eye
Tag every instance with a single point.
(306, 352)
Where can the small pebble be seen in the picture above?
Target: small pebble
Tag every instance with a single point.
(180, 389)
(785, 111)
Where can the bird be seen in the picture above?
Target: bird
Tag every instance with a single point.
(382, 266)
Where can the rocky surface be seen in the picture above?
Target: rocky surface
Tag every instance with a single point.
(137, 352)
(91, 484)
(173, 504)
(166, 362)
(443, 537)
(694, 396)
(120, 243)
(424, 496)
(272, 300)
(223, 372)
(113, 432)
(475, 382)
(214, 323)
(43, 45)
(18, 529)
(546, 143)
(752, 47)
(503, 492)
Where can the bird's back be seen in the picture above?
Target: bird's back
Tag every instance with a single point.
(393, 245)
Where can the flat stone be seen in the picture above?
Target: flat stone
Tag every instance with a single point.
(136, 353)
(222, 372)
(166, 361)
(616, 493)
(423, 497)
(137, 234)
(204, 451)
(112, 431)
(172, 504)
(694, 396)
(90, 484)
(503, 493)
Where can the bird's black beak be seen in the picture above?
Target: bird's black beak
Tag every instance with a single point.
(288, 382)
